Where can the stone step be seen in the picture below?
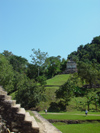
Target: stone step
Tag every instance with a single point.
(3, 92)
(7, 97)
(17, 113)
(28, 117)
(1, 88)
(31, 119)
(12, 102)
(21, 111)
(2, 97)
(16, 108)
(34, 123)
(27, 113)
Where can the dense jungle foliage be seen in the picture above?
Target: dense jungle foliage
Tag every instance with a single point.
(89, 53)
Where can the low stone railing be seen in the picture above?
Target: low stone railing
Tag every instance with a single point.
(17, 119)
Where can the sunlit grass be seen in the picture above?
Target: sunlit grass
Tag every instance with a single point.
(76, 115)
(72, 113)
(78, 128)
(70, 117)
(58, 79)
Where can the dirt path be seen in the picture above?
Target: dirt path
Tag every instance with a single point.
(44, 125)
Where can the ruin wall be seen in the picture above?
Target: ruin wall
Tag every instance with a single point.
(17, 119)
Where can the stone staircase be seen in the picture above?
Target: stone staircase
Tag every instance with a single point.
(17, 119)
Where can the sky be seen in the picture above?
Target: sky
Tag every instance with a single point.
(58, 27)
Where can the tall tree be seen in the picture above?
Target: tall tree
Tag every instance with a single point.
(65, 92)
(87, 73)
(53, 65)
(28, 93)
(63, 64)
(31, 71)
(7, 54)
(6, 73)
(19, 63)
(38, 59)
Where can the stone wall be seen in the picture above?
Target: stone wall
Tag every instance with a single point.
(71, 67)
(69, 71)
(17, 119)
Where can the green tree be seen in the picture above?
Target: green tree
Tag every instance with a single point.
(96, 100)
(89, 97)
(87, 73)
(63, 64)
(87, 52)
(28, 93)
(6, 74)
(7, 54)
(19, 64)
(38, 59)
(65, 92)
(53, 66)
(42, 80)
(31, 71)
(96, 40)
(98, 94)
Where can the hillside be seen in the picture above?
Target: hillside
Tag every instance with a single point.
(58, 80)
(77, 102)
(52, 85)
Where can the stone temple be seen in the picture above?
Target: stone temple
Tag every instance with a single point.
(71, 67)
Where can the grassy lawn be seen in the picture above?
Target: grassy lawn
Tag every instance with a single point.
(78, 128)
(71, 113)
(70, 117)
(75, 128)
(58, 79)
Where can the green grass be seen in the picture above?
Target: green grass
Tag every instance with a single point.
(13, 95)
(58, 79)
(87, 127)
(70, 117)
(71, 113)
(78, 128)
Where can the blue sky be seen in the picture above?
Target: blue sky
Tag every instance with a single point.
(54, 26)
